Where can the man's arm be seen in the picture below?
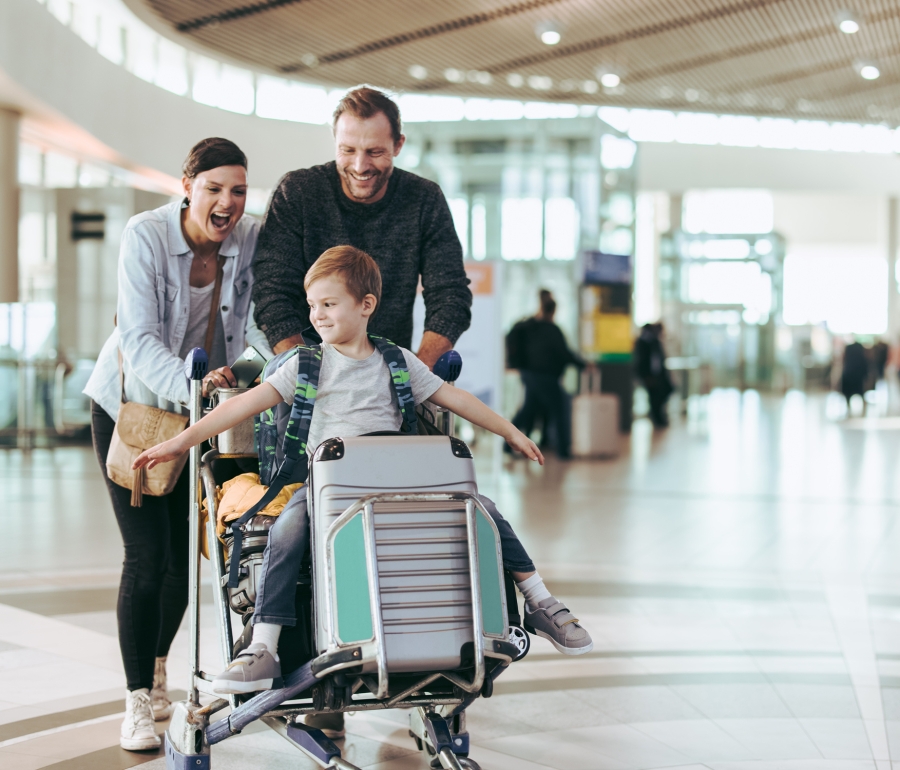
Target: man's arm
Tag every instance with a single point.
(279, 269)
(445, 287)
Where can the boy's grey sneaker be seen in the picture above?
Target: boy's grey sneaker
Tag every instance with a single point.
(253, 670)
(553, 621)
(332, 724)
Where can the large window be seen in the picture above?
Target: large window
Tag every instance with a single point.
(729, 211)
(845, 289)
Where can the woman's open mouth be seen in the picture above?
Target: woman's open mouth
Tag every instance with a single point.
(220, 221)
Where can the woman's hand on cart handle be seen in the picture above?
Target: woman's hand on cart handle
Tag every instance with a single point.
(161, 453)
(218, 378)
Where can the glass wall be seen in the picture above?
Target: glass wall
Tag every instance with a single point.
(534, 196)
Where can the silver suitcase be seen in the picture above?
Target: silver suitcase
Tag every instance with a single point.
(422, 550)
(595, 420)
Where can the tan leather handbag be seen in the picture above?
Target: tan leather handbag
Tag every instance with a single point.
(140, 427)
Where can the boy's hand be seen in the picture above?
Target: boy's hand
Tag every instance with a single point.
(521, 443)
(161, 453)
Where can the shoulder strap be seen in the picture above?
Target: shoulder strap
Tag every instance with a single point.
(214, 305)
(309, 364)
(396, 362)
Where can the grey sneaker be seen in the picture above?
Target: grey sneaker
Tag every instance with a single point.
(253, 670)
(553, 621)
(332, 724)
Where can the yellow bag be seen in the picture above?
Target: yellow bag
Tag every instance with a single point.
(238, 495)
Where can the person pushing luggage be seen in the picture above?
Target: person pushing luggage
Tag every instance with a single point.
(355, 396)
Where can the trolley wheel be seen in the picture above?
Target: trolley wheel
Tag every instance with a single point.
(464, 762)
(487, 689)
(318, 697)
(417, 739)
(519, 637)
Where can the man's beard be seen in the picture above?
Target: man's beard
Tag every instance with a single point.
(381, 179)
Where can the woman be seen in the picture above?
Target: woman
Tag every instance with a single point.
(167, 270)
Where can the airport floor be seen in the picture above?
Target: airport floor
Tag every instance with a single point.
(739, 572)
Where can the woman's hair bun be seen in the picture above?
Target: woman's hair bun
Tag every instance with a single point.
(212, 153)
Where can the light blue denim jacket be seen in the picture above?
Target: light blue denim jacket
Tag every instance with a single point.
(154, 306)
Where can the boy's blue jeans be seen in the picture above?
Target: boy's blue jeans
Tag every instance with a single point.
(289, 539)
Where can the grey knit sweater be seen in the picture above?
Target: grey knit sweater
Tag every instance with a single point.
(409, 233)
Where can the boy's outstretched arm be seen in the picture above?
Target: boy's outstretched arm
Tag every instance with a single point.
(226, 415)
(470, 408)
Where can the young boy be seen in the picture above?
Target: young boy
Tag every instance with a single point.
(355, 397)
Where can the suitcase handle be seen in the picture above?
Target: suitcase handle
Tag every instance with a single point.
(589, 380)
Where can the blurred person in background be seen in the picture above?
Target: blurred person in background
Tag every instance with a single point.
(880, 352)
(537, 347)
(650, 368)
(854, 373)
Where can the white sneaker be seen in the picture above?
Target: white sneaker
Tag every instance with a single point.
(138, 731)
(159, 698)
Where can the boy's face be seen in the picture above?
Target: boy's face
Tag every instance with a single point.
(337, 315)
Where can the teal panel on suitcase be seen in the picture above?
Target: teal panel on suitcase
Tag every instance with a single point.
(489, 576)
(351, 582)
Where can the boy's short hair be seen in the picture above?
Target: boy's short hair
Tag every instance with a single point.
(356, 269)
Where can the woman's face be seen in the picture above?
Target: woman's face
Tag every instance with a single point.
(217, 201)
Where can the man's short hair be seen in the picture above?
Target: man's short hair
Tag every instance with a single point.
(364, 102)
(357, 270)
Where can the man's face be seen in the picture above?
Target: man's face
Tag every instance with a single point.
(365, 152)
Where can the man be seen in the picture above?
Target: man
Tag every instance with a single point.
(650, 368)
(537, 347)
(400, 219)
(360, 199)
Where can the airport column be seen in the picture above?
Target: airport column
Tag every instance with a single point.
(9, 205)
(893, 329)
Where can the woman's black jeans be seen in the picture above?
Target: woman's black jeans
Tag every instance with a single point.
(153, 592)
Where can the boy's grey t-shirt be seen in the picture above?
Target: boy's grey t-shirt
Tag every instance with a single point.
(355, 396)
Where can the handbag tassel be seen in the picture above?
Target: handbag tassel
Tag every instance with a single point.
(137, 489)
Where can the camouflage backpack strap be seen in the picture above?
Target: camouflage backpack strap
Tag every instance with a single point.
(393, 357)
(309, 365)
(266, 424)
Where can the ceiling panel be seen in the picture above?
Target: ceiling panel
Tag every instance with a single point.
(759, 57)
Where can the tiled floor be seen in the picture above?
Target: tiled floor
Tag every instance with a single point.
(740, 574)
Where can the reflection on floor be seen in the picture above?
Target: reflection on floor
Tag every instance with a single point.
(739, 573)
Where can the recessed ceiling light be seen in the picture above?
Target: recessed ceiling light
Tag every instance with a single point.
(548, 32)
(310, 60)
(479, 76)
(515, 80)
(610, 80)
(847, 22)
(540, 82)
(418, 72)
(589, 86)
(454, 75)
(867, 70)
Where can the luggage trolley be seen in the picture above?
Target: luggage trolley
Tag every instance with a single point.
(410, 606)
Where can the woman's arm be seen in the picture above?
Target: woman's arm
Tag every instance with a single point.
(470, 408)
(226, 415)
(139, 319)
